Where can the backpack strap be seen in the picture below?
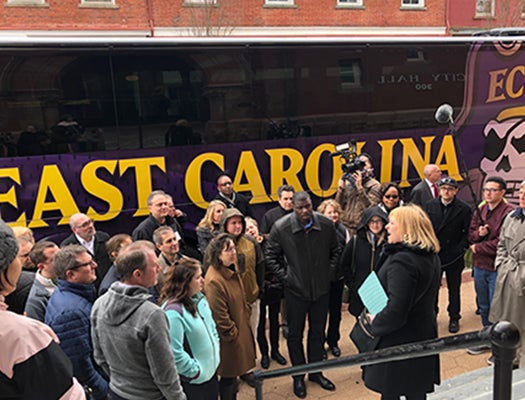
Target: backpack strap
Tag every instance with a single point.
(177, 307)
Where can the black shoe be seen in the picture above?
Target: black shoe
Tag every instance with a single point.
(325, 383)
(325, 356)
(477, 311)
(299, 388)
(249, 379)
(279, 358)
(336, 351)
(265, 362)
(453, 326)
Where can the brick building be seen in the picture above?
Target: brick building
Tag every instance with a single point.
(223, 17)
(469, 16)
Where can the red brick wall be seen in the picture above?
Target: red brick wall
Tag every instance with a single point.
(68, 15)
(309, 13)
(463, 15)
(133, 15)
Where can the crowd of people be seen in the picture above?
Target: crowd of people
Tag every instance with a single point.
(145, 315)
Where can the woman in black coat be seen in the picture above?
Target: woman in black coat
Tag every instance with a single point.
(361, 254)
(410, 274)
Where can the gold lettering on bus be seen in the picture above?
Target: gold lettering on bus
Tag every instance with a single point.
(52, 183)
(192, 179)
(143, 167)
(10, 196)
(285, 166)
(102, 189)
(247, 167)
(313, 166)
(506, 84)
(281, 176)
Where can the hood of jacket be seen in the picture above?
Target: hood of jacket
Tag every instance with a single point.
(229, 213)
(369, 213)
(123, 301)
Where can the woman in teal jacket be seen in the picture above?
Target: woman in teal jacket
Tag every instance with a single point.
(194, 338)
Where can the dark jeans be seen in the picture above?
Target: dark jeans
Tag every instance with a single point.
(484, 283)
(453, 277)
(204, 391)
(334, 313)
(273, 319)
(297, 310)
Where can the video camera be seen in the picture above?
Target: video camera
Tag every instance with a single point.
(352, 163)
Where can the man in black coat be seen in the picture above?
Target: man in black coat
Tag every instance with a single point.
(231, 198)
(285, 206)
(158, 206)
(308, 242)
(451, 219)
(85, 234)
(427, 189)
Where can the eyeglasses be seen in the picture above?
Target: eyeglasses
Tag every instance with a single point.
(376, 221)
(490, 190)
(391, 196)
(85, 224)
(447, 188)
(90, 263)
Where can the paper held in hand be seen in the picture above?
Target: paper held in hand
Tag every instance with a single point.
(372, 294)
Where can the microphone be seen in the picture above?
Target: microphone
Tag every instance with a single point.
(444, 114)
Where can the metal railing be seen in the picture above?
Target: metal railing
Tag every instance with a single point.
(504, 337)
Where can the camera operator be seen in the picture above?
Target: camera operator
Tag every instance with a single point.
(357, 191)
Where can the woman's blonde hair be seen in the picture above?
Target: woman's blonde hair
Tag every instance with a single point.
(24, 234)
(330, 202)
(415, 227)
(207, 220)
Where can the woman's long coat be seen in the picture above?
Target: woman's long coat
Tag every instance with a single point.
(225, 293)
(508, 302)
(411, 278)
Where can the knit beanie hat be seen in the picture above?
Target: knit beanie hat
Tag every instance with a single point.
(8, 245)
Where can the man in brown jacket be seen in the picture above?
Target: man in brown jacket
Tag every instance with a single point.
(358, 193)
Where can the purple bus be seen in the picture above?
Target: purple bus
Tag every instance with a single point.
(93, 125)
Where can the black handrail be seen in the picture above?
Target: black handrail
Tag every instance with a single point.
(504, 337)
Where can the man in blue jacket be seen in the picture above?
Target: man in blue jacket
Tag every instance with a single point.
(68, 314)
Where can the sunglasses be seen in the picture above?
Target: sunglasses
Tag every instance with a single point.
(391, 196)
(90, 263)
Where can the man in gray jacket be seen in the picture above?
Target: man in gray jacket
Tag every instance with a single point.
(130, 334)
(308, 242)
(45, 281)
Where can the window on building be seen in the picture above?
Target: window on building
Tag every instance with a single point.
(200, 2)
(98, 3)
(350, 73)
(484, 8)
(349, 2)
(412, 3)
(414, 55)
(279, 2)
(27, 3)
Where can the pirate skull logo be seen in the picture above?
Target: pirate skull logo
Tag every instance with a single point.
(504, 153)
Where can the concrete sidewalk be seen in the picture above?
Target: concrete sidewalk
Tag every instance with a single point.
(348, 380)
